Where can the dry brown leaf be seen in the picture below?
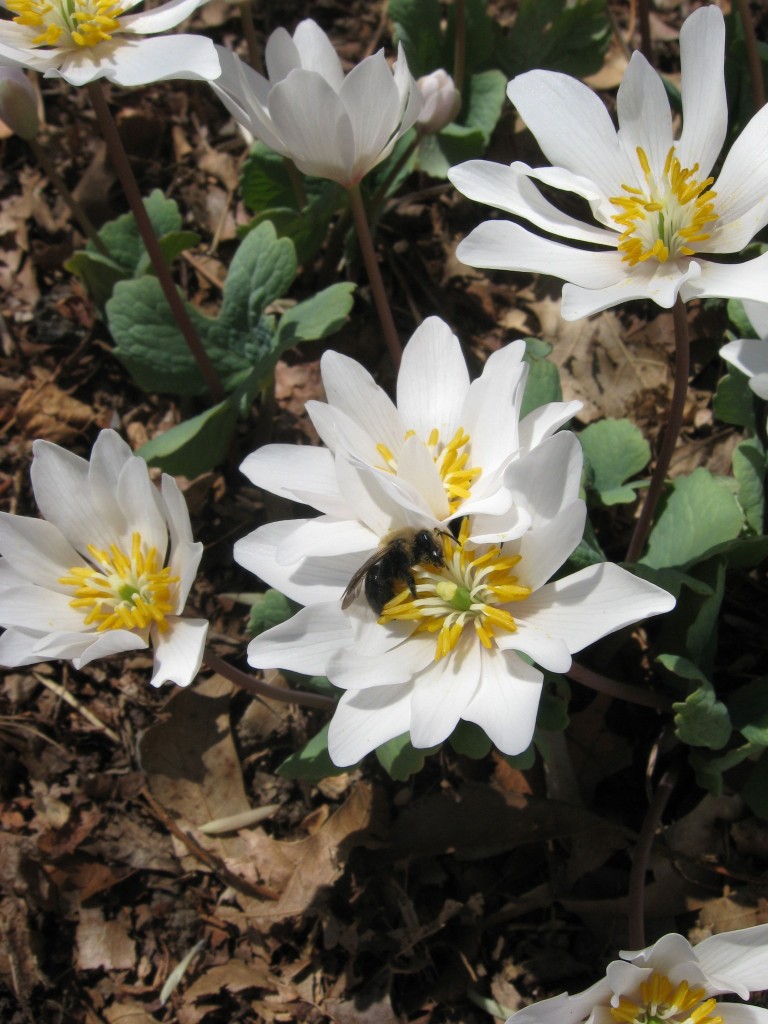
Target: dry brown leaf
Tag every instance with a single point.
(128, 1012)
(103, 944)
(48, 412)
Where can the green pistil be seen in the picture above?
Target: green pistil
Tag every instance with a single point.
(454, 595)
(126, 592)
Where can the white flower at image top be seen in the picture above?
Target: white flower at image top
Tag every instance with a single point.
(82, 40)
(441, 452)
(750, 355)
(454, 640)
(331, 125)
(107, 570)
(659, 212)
(670, 982)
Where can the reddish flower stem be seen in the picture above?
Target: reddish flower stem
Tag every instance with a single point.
(671, 434)
(651, 822)
(144, 225)
(459, 45)
(613, 688)
(753, 57)
(259, 688)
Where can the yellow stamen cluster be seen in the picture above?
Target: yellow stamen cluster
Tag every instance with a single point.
(661, 1002)
(121, 591)
(450, 461)
(68, 22)
(667, 219)
(468, 591)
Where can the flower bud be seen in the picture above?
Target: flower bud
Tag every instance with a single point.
(441, 102)
(18, 103)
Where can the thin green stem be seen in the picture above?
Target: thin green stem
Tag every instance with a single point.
(259, 688)
(381, 192)
(753, 57)
(613, 688)
(636, 894)
(130, 187)
(76, 209)
(671, 434)
(297, 182)
(459, 45)
(374, 274)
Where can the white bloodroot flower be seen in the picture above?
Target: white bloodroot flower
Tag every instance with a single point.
(108, 569)
(670, 982)
(453, 641)
(82, 40)
(658, 209)
(331, 125)
(750, 355)
(440, 453)
(441, 102)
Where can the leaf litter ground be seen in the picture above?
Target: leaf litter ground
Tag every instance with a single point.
(456, 895)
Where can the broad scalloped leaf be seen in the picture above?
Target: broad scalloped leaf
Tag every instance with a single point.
(749, 470)
(700, 514)
(701, 720)
(400, 759)
(614, 451)
(313, 762)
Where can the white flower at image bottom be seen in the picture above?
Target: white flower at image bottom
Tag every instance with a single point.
(750, 355)
(670, 982)
(461, 647)
(108, 569)
(660, 214)
(82, 40)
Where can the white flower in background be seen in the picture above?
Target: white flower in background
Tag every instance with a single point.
(460, 647)
(440, 453)
(18, 103)
(108, 569)
(331, 125)
(658, 209)
(82, 40)
(441, 102)
(750, 355)
(670, 982)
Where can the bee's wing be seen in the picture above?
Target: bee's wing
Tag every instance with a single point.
(354, 585)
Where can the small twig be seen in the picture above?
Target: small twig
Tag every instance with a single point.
(753, 57)
(206, 856)
(144, 225)
(261, 689)
(251, 39)
(671, 433)
(374, 275)
(613, 688)
(644, 18)
(651, 822)
(82, 218)
(73, 702)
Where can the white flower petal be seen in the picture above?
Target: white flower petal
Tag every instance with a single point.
(364, 719)
(317, 53)
(741, 186)
(593, 602)
(661, 282)
(17, 648)
(433, 381)
(305, 643)
(417, 468)
(491, 410)
(372, 102)
(327, 537)
(506, 701)
(546, 547)
(736, 961)
(134, 60)
(160, 19)
(735, 1013)
(300, 473)
(572, 126)
(644, 116)
(758, 316)
(281, 55)
(442, 692)
(751, 357)
(104, 645)
(548, 651)
(351, 389)
(179, 651)
(353, 670)
(37, 551)
(545, 420)
(729, 281)
(547, 479)
(39, 609)
(705, 113)
(175, 510)
(61, 486)
(564, 1008)
(137, 496)
(184, 563)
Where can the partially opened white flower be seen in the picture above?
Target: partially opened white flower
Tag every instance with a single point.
(459, 643)
(108, 569)
(670, 982)
(441, 101)
(82, 40)
(750, 355)
(441, 452)
(658, 210)
(331, 125)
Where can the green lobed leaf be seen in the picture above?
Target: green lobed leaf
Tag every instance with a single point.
(691, 628)
(742, 325)
(262, 270)
(700, 513)
(709, 768)
(701, 720)
(486, 92)
(749, 711)
(313, 762)
(543, 384)
(453, 145)
(553, 706)
(749, 471)
(400, 759)
(196, 445)
(272, 609)
(470, 740)
(589, 551)
(417, 27)
(560, 35)
(317, 317)
(734, 401)
(614, 450)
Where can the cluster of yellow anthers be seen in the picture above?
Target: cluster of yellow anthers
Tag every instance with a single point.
(668, 218)
(84, 22)
(661, 1002)
(468, 590)
(451, 461)
(123, 592)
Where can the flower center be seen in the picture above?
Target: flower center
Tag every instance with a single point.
(661, 1002)
(468, 591)
(450, 461)
(668, 218)
(80, 22)
(121, 591)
